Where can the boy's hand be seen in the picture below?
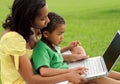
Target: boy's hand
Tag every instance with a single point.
(73, 44)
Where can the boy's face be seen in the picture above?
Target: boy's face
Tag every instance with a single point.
(56, 36)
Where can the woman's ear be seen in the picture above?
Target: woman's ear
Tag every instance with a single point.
(45, 34)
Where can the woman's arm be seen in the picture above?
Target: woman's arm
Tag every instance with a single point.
(47, 72)
(26, 70)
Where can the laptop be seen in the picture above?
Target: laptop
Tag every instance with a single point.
(101, 65)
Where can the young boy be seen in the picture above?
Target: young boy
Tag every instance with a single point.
(47, 58)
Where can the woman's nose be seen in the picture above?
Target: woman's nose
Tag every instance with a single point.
(48, 20)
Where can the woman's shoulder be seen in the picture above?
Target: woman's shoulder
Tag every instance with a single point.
(13, 40)
(11, 35)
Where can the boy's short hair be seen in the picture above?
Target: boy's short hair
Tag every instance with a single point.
(55, 20)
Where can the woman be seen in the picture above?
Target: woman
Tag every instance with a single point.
(21, 29)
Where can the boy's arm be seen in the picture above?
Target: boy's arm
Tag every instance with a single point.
(64, 49)
(74, 57)
(70, 46)
(77, 53)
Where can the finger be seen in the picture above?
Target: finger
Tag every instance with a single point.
(78, 42)
(82, 68)
(75, 43)
(83, 57)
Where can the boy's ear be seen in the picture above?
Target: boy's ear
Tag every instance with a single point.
(45, 34)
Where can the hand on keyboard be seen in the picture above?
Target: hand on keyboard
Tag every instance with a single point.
(80, 70)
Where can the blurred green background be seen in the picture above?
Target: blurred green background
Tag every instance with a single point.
(93, 22)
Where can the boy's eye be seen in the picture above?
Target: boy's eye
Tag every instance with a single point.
(59, 33)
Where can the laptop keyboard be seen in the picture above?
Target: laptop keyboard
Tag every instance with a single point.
(94, 66)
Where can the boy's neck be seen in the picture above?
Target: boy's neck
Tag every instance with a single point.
(52, 46)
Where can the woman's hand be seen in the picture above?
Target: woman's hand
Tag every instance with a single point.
(80, 70)
(75, 78)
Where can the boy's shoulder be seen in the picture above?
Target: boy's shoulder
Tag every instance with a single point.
(41, 45)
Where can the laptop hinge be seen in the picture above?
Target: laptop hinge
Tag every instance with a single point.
(103, 64)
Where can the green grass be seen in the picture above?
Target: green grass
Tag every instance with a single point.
(4, 11)
(93, 22)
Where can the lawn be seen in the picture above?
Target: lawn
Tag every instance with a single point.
(93, 22)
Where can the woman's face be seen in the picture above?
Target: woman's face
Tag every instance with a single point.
(41, 19)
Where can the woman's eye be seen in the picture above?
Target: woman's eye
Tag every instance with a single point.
(43, 18)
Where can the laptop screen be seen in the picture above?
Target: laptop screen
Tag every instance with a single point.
(112, 53)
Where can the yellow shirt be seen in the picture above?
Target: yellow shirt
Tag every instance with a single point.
(11, 44)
